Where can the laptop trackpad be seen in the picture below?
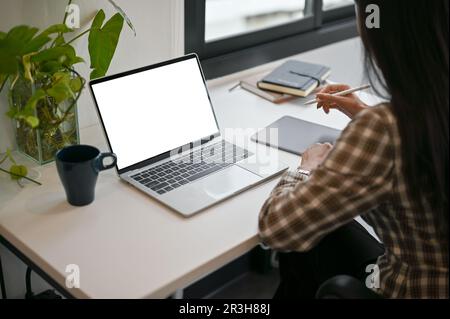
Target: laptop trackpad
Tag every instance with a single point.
(211, 189)
(226, 182)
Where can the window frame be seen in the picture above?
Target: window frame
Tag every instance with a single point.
(338, 13)
(228, 55)
(245, 40)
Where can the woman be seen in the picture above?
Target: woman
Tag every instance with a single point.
(390, 166)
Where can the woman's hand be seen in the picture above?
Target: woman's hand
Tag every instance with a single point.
(315, 155)
(350, 104)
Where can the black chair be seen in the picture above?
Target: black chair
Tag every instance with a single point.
(345, 287)
(2, 281)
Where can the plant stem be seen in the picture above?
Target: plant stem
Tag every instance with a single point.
(13, 83)
(74, 101)
(69, 109)
(81, 34)
(3, 159)
(16, 175)
(4, 83)
(63, 22)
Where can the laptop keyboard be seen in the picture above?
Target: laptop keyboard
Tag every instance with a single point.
(171, 175)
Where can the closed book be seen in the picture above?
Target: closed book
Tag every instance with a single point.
(251, 84)
(295, 78)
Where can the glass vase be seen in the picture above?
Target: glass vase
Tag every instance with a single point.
(58, 124)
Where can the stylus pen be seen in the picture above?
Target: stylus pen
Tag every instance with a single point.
(342, 93)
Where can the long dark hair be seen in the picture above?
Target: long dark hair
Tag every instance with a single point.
(409, 56)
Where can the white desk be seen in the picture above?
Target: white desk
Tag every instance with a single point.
(128, 245)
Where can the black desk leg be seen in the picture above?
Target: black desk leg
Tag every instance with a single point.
(2, 280)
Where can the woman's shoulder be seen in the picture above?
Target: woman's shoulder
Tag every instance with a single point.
(380, 116)
(369, 138)
(373, 126)
(381, 111)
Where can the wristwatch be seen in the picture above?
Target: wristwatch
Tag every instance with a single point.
(304, 172)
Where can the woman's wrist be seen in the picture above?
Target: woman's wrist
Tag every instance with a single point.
(361, 106)
(352, 111)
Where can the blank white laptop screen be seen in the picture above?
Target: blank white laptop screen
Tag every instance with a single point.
(149, 113)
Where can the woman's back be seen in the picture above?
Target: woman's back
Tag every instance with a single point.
(415, 263)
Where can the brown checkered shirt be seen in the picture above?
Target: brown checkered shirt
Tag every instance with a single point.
(363, 176)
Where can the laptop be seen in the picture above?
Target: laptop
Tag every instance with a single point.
(160, 123)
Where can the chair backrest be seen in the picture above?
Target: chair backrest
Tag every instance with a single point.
(345, 287)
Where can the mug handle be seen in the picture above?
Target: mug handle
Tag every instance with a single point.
(101, 166)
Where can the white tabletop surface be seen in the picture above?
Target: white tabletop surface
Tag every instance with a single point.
(126, 244)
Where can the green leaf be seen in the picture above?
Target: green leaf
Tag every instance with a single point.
(50, 67)
(27, 113)
(98, 20)
(9, 50)
(124, 15)
(61, 89)
(60, 92)
(12, 112)
(52, 54)
(18, 171)
(76, 84)
(44, 37)
(61, 77)
(65, 55)
(59, 40)
(30, 106)
(32, 121)
(12, 47)
(2, 35)
(22, 33)
(76, 60)
(36, 44)
(103, 42)
(57, 28)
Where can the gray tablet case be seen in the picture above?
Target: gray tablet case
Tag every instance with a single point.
(295, 135)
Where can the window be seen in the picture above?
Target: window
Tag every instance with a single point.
(230, 35)
(334, 4)
(226, 18)
(337, 9)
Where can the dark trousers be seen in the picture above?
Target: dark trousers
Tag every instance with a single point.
(346, 251)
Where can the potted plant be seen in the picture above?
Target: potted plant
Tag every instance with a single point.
(37, 69)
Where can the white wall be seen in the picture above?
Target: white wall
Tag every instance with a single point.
(160, 32)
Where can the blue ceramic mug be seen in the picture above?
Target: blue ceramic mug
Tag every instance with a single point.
(78, 167)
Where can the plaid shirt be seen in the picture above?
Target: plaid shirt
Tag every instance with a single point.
(362, 176)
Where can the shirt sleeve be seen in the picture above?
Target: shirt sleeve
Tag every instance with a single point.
(355, 178)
